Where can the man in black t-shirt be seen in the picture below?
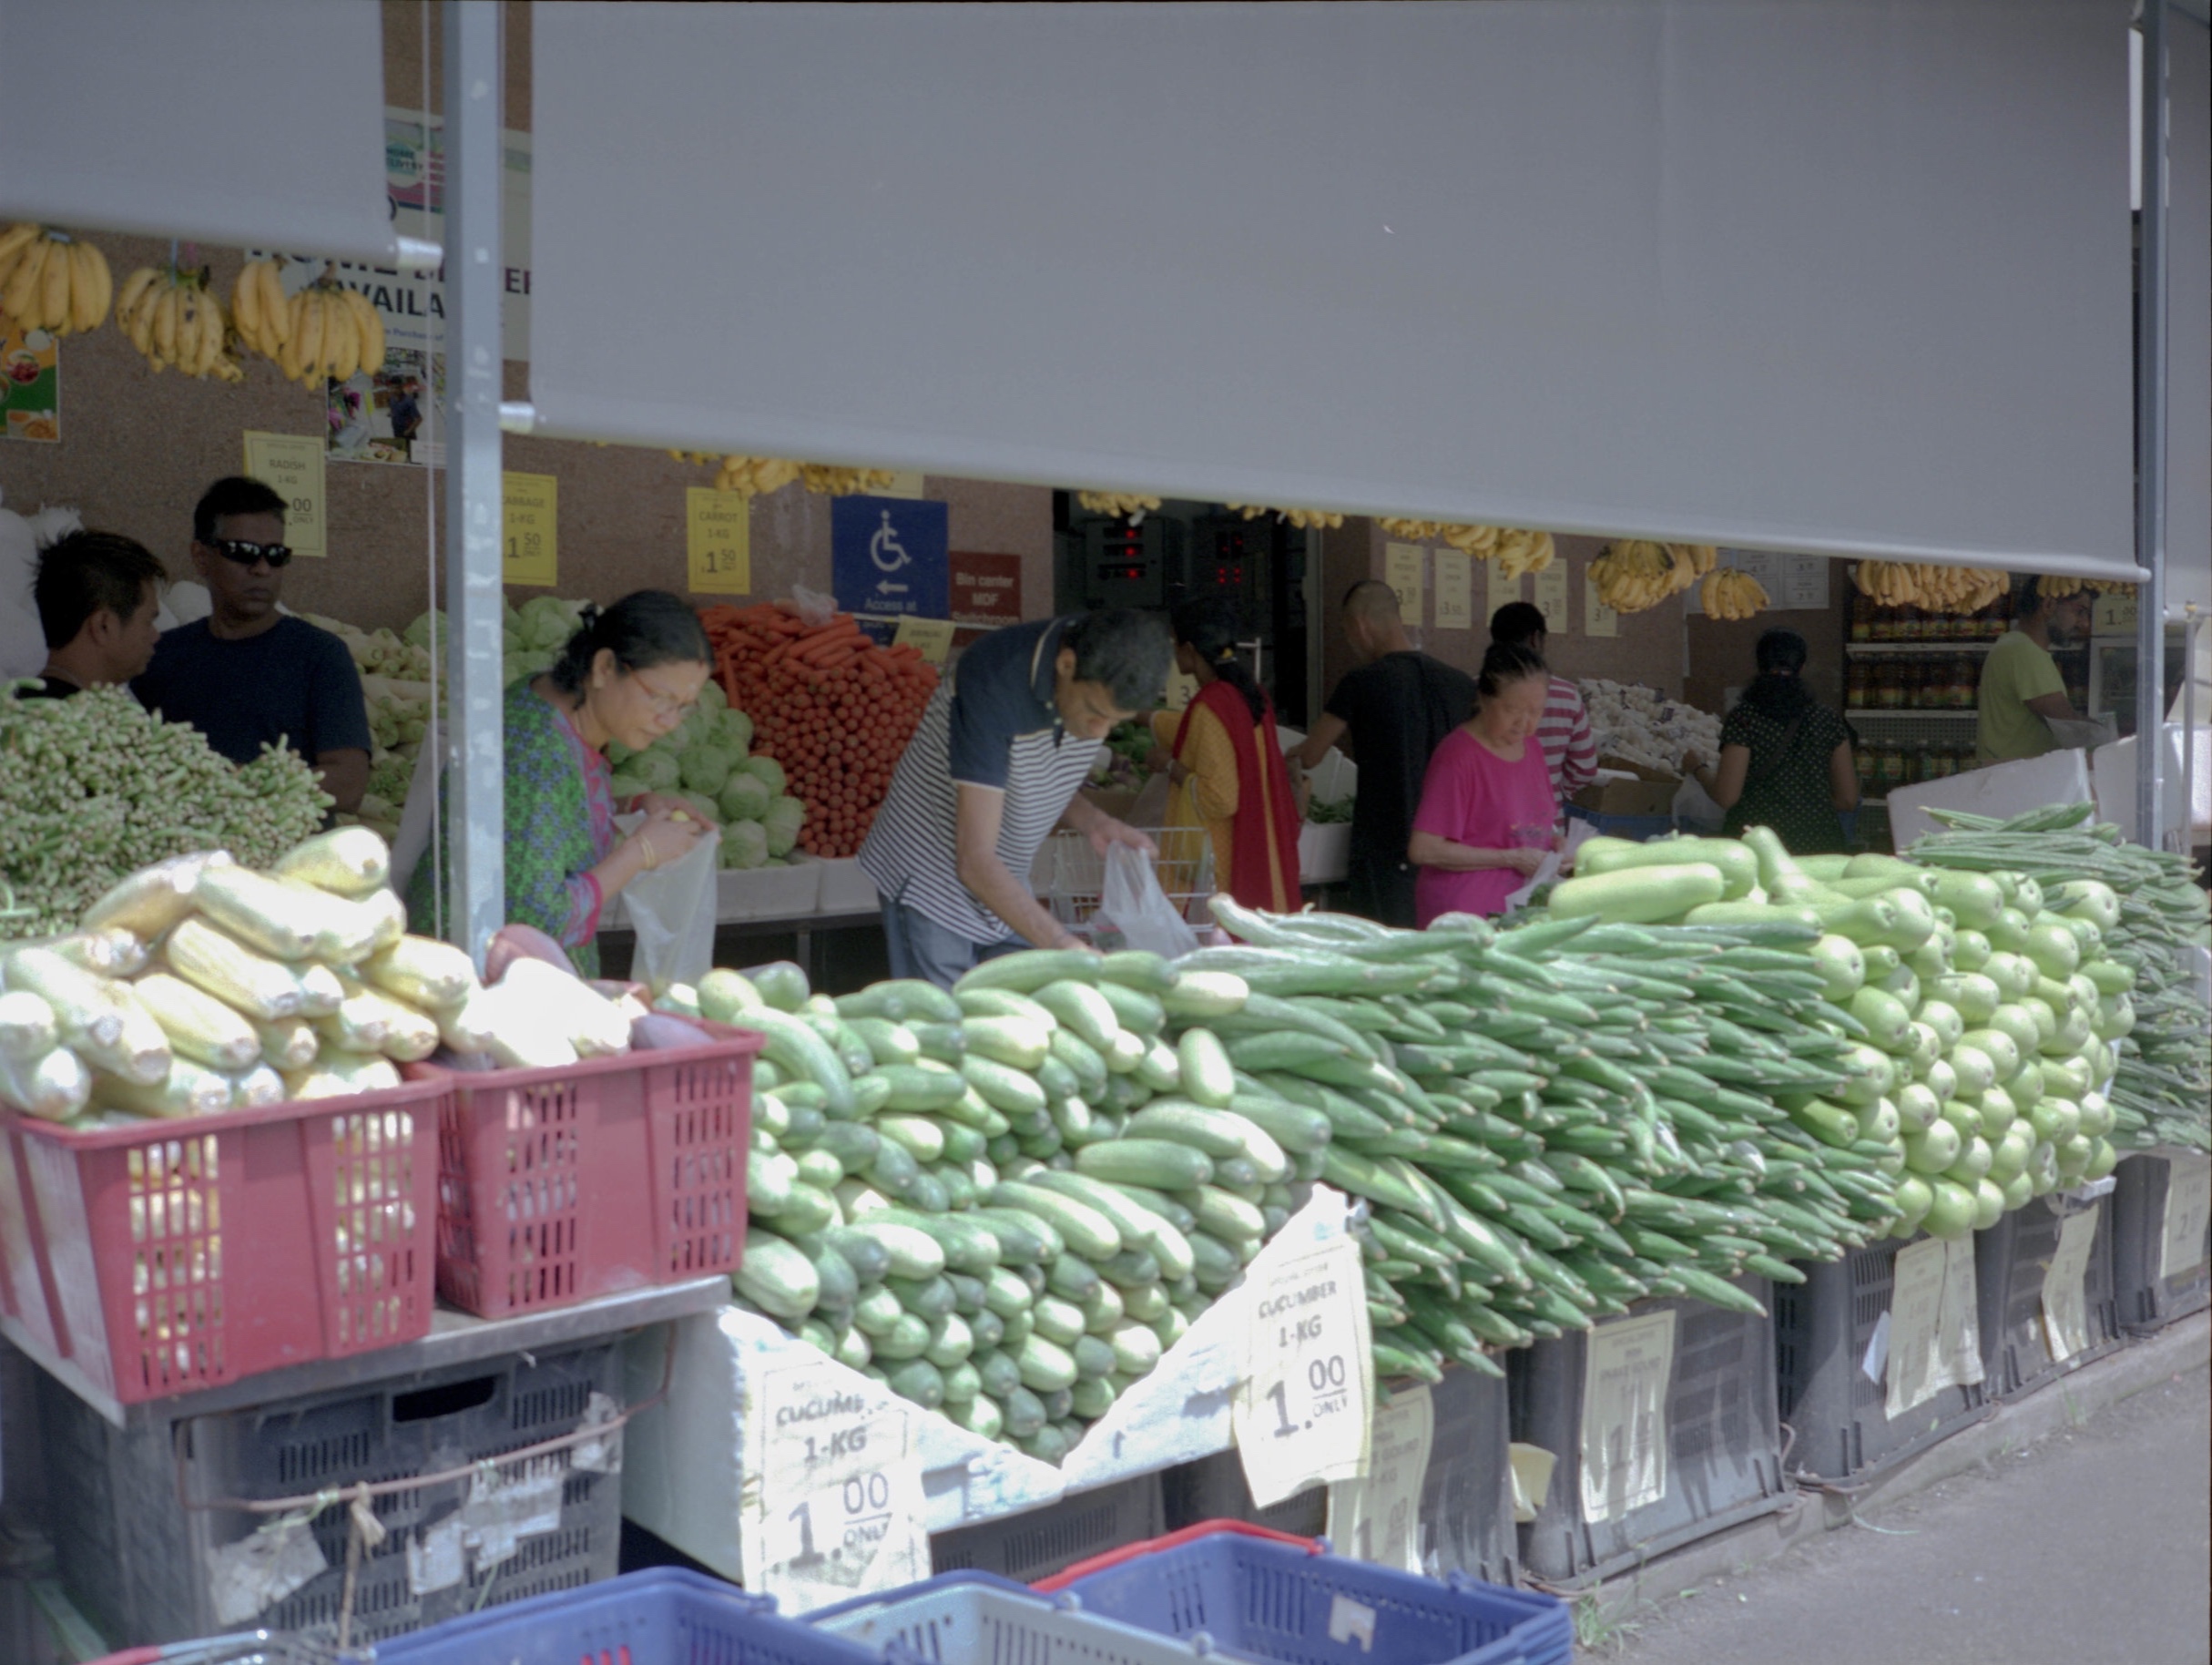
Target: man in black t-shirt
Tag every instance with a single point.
(248, 676)
(97, 594)
(1396, 708)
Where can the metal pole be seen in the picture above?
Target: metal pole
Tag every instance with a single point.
(2150, 435)
(476, 798)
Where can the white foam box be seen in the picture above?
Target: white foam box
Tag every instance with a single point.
(683, 1459)
(1324, 853)
(768, 893)
(2001, 790)
(845, 889)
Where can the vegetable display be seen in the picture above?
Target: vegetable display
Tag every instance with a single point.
(830, 706)
(94, 787)
(1639, 725)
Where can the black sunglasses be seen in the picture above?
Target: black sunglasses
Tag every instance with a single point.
(246, 554)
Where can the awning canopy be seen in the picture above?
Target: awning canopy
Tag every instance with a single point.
(1836, 277)
(254, 124)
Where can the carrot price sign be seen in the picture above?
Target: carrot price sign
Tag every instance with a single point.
(719, 528)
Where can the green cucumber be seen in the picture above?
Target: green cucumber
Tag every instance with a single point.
(1205, 1071)
(1017, 1043)
(1003, 1088)
(776, 1276)
(1084, 1229)
(1164, 1164)
(1030, 969)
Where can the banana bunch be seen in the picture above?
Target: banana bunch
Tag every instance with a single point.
(1634, 575)
(52, 282)
(1936, 589)
(1730, 595)
(1416, 531)
(825, 481)
(748, 476)
(174, 318)
(1303, 519)
(1515, 549)
(1118, 503)
(326, 331)
(2052, 587)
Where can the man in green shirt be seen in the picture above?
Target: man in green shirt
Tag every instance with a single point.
(2022, 691)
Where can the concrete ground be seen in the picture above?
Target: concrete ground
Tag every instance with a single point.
(2087, 1543)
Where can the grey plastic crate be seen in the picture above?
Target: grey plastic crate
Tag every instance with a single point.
(1724, 1451)
(136, 1561)
(1039, 1542)
(2010, 1261)
(1822, 1328)
(1213, 1489)
(2148, 1301)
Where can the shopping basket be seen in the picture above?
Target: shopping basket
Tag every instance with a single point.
(245, 1648)
(957, 1618)
(1075, 874)
(1256, 1594)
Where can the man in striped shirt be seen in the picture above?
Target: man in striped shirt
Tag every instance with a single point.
(1564, 732)
(1003, 748)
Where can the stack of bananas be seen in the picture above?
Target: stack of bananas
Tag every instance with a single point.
(1515, 549)
(825, 481)
(326, 331)
(2053, 587)
(1730, 595)
(174, 318)
(753, 477)
(1936, 589)
(1118, 503)
(1634, 575)
(1417, 531)
(1305, 520)
(52, 281)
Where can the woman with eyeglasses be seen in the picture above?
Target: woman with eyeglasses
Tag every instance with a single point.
(631, 674)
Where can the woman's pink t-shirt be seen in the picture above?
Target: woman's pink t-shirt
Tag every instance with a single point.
(1474, 797)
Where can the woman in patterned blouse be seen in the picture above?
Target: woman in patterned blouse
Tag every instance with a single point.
(631, 674)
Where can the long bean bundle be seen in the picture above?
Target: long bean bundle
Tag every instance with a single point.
(2162, 1089)
(93, 788)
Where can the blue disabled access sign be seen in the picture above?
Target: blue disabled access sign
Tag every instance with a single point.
(887, 557)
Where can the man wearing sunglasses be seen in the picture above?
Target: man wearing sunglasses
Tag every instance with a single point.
(249, 675)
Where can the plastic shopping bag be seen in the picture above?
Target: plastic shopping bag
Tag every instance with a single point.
(672, 911)
(1131, 900)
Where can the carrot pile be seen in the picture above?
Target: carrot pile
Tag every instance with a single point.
(829, 704)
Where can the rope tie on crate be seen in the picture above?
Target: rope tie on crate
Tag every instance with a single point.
(364, 1532)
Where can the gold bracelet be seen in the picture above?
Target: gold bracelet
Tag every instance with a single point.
(652, 858)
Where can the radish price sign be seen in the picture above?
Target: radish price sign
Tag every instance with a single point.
(1303, 1409)
(833, 1505)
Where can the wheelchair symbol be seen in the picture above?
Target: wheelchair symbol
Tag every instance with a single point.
(885, 549)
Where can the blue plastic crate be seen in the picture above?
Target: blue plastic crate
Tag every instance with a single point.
(969, 1617)
(1263, 1599)
(1641, 829)
(664, 1616)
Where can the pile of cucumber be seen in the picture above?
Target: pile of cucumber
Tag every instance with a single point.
(1006, 1201)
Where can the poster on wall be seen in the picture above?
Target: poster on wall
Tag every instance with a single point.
(384, 415)
(986, 590)
(888, 558)
(30, 383)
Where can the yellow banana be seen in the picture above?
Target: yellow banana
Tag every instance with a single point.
(20, 298)
(13, 242)
(246, 305)
(165, 323)
(103, 284)
(134, 286)
(307, 332)
(345, 346)
(372, 335)
(191, 319)
(276, 312)
(53, 304)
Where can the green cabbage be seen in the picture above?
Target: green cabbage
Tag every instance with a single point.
(525, 664)
(704, 768)
(783, 822)
(744, 844)
(769, 770)
(745, 797)
(711, 696)
(701, 806)
(657, 769)
(547, 622)
(417, 635)
(735, 731)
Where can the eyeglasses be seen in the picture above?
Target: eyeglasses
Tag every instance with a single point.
(660, 704)
(246, 554)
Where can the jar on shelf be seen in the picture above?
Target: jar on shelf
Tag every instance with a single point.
(1888, 689)
(1862, 617)
(1883, 627)
(1856, 681)
(1862, 760)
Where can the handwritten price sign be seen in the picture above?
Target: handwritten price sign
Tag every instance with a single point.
(1302, 1411)
(530, 546)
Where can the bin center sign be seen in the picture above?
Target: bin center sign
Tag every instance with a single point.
(887, 557)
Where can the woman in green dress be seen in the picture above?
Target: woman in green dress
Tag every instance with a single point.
(1785, 759)
(631, 674)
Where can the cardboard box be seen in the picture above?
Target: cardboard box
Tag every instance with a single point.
(1629, 797)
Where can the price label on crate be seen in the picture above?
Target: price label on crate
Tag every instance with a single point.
(1377, 1519)
(1304, 1404)
(2188, 1205)
(2066, 1287)
(833, 1505)
(1625, 1378)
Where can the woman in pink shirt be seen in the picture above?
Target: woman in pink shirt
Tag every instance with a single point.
(1487, 814)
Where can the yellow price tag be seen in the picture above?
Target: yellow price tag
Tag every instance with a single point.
(1598, 620)
(905, 483)
(1552, 600)
(719, 530)
(1454, 590)
(291, 465)
(934, 637)
(530, 546)
(1401, 572)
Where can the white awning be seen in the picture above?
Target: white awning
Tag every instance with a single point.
(1837, 277)
(251, 124)
(2188, 343)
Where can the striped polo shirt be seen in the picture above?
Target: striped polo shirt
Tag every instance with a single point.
(1565, 734)
(991, 723)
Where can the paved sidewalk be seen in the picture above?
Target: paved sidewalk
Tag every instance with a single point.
(2092, 1545)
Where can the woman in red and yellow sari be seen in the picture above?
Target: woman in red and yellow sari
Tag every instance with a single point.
(1226, 765)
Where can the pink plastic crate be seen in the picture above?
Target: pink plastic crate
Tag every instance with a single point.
(177, 1255)
(557, 1186)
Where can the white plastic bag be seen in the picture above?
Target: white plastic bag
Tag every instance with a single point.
(672, 911)
(1131, 900)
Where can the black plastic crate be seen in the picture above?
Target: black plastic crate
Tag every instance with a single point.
(1214, 1488)
(1723, 1457)
(136, 1561)
(1467, 1497)
(1836, 1413)
(2148, 1301)
(2010, 1261)
(1039, 1542)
